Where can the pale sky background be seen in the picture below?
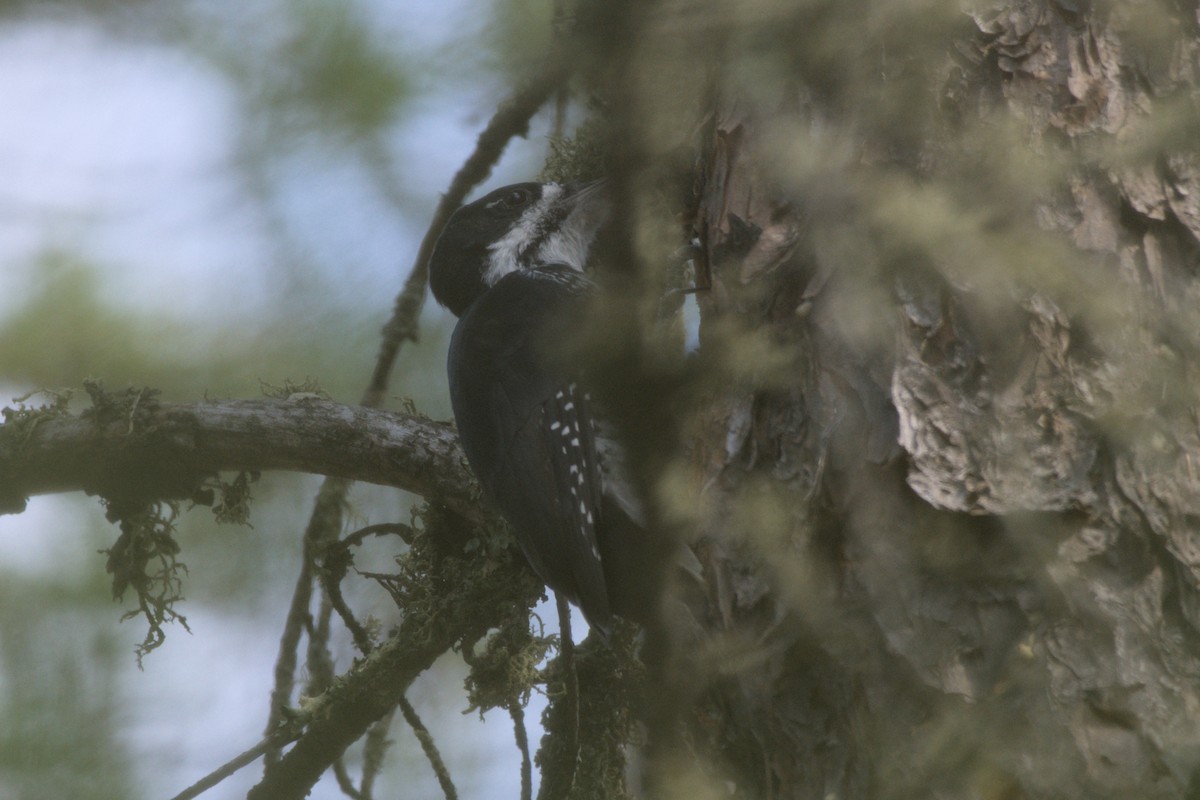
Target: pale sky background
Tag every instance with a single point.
(124, 148)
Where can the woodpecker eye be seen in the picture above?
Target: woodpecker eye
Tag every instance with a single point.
(511, 199)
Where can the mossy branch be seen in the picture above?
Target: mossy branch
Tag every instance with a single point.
(447, 599)
(169, 451)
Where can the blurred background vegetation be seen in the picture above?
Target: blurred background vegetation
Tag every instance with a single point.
(201, 198)
(204, 198)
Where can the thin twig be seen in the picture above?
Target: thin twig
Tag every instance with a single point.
(400, 529)
(567, 651)
(511, 119)
(373, 752)
(562, 784)
(285, 661)
(233, 765)
(522, 737)
(430, 748)
(318, 658)
(333, 591)
(344, 782)
(329, 503)
(333, 568)
(319, 663)
(336, 560)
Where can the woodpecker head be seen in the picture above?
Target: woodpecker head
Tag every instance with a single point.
(515, 227)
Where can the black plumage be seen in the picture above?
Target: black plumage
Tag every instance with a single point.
(510, 265)
(528, 430)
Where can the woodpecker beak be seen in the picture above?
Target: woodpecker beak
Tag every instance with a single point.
(585, 192)
(585, 187)
(588, 201)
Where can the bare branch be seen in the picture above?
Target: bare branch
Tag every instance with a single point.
(233, 765)
(560, 780)
(326, 518)
(172, 449)
(511, 119)
(374, 749)
(517, 712)
(352, 706)
(429, 747)
(483, 593)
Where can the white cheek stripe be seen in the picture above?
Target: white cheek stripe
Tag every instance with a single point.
(503, 258)
(569, 244)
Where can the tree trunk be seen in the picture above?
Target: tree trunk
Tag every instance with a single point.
(952, 515)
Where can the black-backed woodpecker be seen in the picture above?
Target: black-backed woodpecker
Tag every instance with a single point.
(511, 267)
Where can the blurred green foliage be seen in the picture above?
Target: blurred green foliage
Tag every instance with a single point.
(65, 330)
(518, 34)
(338, 71)
(319, 88)
(60, 695)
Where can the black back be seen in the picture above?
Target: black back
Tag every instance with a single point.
(524, 423)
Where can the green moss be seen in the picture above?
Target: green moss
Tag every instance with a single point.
(504, 666)
(234, 506)
(611, 679)
(145, 558)
(456, 574)
(290, 390)
(22, 420)
(126, 405)
(338, 72)
(583, 156)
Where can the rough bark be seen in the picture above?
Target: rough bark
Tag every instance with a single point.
(1004, 604)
